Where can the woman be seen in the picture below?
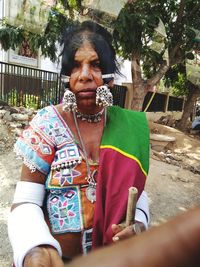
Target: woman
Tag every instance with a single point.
(80, 158)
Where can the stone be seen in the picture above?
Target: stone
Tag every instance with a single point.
(20, 117)
(7, 116)
(159, 142)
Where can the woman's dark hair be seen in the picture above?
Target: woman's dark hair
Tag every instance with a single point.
(98, 37)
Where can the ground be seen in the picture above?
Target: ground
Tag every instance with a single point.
(173, 182)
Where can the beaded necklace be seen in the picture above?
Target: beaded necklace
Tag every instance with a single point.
(91, 189)
(91, 118)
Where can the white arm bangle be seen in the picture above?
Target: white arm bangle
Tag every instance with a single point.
(142, 210)
(29, 192)
(28, 229)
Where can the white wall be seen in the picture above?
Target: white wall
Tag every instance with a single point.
(2, 12)
(126, 73)
(47, 64)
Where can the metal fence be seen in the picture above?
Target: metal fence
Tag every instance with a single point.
(157, 104)
(163, 102)
(29, 87)
(119, 95)
(175, 103)
(24, 86)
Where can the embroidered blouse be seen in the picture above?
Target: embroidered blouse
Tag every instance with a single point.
(49, 146)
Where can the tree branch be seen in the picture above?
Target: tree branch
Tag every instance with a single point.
(196, 8)
(158, 75)
(173, 57)
(179, 17)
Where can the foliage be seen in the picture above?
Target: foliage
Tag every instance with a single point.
(179, 86)
(134, 30)
(12, 97)
(28, 101)
(60, 16)
(131, 27)
(176, 78)
(10, 37)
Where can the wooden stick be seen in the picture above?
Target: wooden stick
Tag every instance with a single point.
(131, 205)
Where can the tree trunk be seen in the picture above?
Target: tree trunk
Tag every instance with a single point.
(139, 85)
(139, 93)
(194, 93)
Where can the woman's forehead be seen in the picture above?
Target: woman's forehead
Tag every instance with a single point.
(86, 50)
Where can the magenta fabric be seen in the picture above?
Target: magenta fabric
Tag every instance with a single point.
(113, 182)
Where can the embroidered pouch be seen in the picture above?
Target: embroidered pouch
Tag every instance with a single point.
(64, 209)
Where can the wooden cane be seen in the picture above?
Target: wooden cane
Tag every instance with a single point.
(131, 206)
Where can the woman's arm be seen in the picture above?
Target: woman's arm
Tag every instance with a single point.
(28, 232)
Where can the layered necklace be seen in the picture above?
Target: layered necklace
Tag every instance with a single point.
(91, 189)
(90, 117)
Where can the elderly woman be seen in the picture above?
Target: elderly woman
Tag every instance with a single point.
(80, 158)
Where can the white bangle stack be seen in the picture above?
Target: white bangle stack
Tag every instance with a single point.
(26, 224)
(142, 210)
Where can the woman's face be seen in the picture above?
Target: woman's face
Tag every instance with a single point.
(86, 76)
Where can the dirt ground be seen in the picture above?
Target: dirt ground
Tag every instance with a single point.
(173, 182)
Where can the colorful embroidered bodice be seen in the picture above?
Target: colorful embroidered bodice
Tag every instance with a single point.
(49, 146)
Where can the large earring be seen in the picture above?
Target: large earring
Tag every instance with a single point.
(69, 101)
(103, 96)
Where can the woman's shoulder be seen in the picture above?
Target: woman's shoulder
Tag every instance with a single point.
(50, 124)
(43, 112)
(119, 111)
(46, 121)
(46, 115)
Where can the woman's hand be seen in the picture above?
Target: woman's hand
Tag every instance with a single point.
(43, 256)
(120, 231)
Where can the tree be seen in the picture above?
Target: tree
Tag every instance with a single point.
(193, 95)
(134, 34)
(61, 15)
(180, 81)
(154, 34)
